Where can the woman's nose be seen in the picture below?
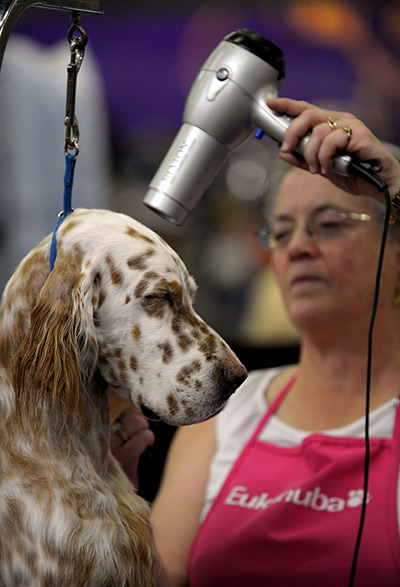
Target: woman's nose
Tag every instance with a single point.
(302, 241)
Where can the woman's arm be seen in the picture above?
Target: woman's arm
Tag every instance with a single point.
(176, 510)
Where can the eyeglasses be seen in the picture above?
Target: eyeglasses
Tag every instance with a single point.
(326, 224)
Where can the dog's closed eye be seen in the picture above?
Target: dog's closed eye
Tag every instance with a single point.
(164, 293)
(155, 304)
(165, 296)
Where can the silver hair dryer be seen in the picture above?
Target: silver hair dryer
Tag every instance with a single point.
(225, 106)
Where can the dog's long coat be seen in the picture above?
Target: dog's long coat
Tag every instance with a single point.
(115, 311)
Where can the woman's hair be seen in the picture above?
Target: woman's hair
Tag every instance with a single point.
(279, 169)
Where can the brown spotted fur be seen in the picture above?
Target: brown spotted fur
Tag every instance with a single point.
(115, 311)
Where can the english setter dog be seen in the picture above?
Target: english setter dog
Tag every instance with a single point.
(115, 312)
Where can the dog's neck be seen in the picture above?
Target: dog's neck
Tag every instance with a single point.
(92, 437)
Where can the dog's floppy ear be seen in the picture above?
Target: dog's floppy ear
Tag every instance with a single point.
(57, 356)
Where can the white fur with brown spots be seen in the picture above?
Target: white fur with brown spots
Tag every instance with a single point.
(115, 311)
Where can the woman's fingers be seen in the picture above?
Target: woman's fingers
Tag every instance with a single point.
(130, 437)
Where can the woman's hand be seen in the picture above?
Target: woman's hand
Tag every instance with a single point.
(130, 436)
(325, 140)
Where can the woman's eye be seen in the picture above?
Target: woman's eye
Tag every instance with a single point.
(282, 234)
(330, 225)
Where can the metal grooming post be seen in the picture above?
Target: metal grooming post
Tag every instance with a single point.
(11, 10)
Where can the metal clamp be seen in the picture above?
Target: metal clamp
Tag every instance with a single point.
(77, 49)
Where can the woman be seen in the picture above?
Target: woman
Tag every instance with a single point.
(275, 517)
(269, 492)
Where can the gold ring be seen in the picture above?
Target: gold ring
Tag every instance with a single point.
(332, 123)
(116, 428)
(349, 132)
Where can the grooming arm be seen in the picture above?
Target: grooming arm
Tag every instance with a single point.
(11, 10)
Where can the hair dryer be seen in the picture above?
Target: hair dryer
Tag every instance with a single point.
(225, 106)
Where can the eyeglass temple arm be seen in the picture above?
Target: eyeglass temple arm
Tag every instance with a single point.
(11, 10)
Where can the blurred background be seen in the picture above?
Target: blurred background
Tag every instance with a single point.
(139, 65)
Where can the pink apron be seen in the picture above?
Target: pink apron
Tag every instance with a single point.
(290, 516)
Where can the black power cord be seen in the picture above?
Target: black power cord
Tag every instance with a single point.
(366, 170)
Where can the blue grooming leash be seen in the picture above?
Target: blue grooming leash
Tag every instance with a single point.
(77, 50)
(70, 161)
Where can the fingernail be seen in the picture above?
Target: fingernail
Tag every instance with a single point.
(285, 146)
(312, 169)
(323, 171)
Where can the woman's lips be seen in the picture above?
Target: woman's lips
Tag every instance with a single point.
(304, 279)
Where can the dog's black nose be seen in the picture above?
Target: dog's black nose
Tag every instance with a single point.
(232, 375)
(235, 374)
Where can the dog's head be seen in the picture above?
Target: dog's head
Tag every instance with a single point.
(119, 300)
